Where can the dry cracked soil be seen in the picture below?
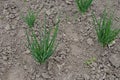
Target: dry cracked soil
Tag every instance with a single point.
(76, 37)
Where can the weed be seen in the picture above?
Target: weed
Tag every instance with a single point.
(67, 18)
(90, 61)
(30, 18)
(42, 47)
(75, 17)
(83, 5)
(105, 33)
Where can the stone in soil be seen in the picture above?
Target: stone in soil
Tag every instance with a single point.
(45, 75)
(90, 41)
(48, 12)
(5, 58)
(86, 77)
(68, 2)
(115, 60)
(26, 52)
(7, 27)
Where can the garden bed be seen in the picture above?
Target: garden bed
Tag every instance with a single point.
(79, 55)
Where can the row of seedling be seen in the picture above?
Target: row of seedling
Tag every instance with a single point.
(43, 47)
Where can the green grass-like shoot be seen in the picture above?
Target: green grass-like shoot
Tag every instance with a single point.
(43, 47)
(90, 61)
(30, 18)
(105, 33)
(83, 5)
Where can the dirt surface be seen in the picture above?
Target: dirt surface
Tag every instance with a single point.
(77, 42)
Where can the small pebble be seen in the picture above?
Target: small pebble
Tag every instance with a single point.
(90, 41)
(45, 75)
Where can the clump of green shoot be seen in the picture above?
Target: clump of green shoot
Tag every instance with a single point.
(42, 46)
(30, 18)
(90, 61)
(83, 5)
(106, 35)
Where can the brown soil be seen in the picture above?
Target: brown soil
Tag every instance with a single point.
(77, 42)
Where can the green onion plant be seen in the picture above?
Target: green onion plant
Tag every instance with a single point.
(103, 26)
(42, 46)
(30, 18)
(83, 5)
